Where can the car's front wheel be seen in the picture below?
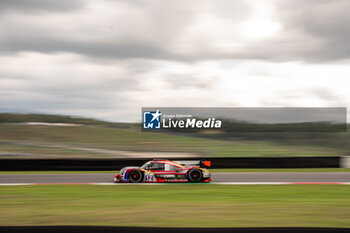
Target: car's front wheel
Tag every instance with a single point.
(195, 175)
(135, 176)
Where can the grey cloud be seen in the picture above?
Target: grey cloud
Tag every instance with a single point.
(154, 38)
(189, 81)
(328, 95)
(312, 31)
(39, 5)
(71, 86)
(93, 100)
(324, 25)
(323, 94)
(315, 31)
(91, 49)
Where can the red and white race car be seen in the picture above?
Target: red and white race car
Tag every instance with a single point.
(162, 170)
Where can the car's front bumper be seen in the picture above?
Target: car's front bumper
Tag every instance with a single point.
(117, 179)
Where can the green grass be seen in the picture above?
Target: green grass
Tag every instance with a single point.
(132, 139)
(212, 170)
(43, 152)
(177, 205)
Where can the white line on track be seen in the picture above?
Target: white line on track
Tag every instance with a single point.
(219, 183)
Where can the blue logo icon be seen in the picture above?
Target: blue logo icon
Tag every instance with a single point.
(151, 120)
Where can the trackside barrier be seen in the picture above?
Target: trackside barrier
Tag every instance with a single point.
(216, 162)
(345, 162)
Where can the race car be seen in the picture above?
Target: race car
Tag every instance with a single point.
(166, 171)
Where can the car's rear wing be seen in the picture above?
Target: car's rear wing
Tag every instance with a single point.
(194, 163)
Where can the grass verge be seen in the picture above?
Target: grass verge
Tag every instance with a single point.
(134, 140)
(177, 205)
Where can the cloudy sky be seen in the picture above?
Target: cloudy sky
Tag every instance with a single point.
(106, 58)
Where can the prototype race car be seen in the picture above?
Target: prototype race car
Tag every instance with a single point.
(162, 170)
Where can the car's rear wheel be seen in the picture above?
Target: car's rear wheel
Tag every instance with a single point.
(195, 175)
(135, 176)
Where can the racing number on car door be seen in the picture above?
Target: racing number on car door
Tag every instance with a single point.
(149, 177)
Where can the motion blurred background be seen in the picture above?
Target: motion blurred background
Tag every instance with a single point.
(74, 75)
(55, 136)
(104, 60)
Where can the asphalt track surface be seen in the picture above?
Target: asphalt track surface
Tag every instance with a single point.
(258, 177)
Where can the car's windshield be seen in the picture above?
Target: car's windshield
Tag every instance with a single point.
(145, 166)
(153, 166)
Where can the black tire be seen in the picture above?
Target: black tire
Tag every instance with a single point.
(135, 176)
(195, 175)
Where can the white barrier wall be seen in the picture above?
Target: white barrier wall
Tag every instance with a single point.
(345, 161)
